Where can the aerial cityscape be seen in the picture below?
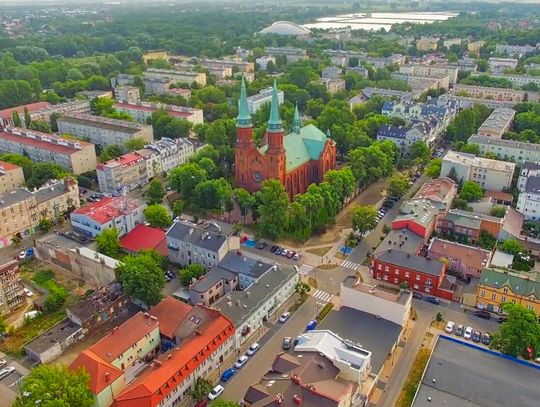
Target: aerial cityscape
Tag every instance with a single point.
(234, 203)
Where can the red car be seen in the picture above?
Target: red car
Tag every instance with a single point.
(243, 239)
(291, 254)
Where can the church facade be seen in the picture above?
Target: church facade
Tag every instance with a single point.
(297, 159)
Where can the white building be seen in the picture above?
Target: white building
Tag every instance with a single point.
(511, 50)
(331, 72)
(500, 64)
(529, 199)
(264, 96)
(171, 153)
(264, 60)
(141, 111)
(508, 150)
(489, 174)
(431, 71)
(127, 94)
(497, 123)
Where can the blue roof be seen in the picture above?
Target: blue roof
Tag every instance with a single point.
(387, 130)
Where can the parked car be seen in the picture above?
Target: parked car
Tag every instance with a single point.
(216, 392)
(285, 252)
(241, 361)
(243, 239)
(252, 349)
(296, 257)
(227, 374)
(202, 403)
(6, 372)
(274, 248)
(486, 339)
(433, 300)
(261, 245)
(311, 325)
(3, 362)
(284, 317)
(482, 314)
(476, 336)
(449, 327)
(286, 343)
(291, 254)
(416, 295)
(500, 320)
(459, 330)
(28, 292)
(279, 250)
(22, 254)
(468, 333)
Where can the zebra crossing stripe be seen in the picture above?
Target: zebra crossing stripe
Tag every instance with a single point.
(322, 296)
(305, 269)
(349, 264)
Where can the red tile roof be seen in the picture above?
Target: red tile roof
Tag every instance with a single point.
(107, 209)
(152, 109)
(123, 337)
(44, 145)
(143, 238)
(501, 196)
(101, 373)
(6, 113)
(126, 159)
(156, 382)
(8, 166)
(170, 314)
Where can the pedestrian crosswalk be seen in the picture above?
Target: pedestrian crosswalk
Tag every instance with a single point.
(349, 265)
(322, 296)
(305, 269)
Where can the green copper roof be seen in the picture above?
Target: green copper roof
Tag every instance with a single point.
(520, 283)
(296, 123)
(244, 118)
(275, 125)
(302, 147)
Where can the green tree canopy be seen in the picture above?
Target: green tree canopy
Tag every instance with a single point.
(364, 219)
(245, 201)
(142, 277)
(398, 184)
(433, 169)
(273, 207)
(419, 152)
(471, 191)
(155, 192)
(193, 271)
(108, 242)
(185, 178)
(157, 216)
(201, 389)
(512, 246)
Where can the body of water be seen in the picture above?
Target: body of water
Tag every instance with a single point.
(376, 21)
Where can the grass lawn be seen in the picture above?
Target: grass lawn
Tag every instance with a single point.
(340, 255)
(327, 267)
(415, 375)
(319, 251)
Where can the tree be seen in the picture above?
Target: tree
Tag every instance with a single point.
(433, 169)
(101, 106)
(40, 125)
(55, 385)
(273, 206)
(364, 219)
(342, 183)
(135, 143)
(142, 277)
(185, 178)
(42, 172)
(157, 216)
(56, 298)
(303, 289)
(512, 246)
(110, 152)
(398, 184)
(519, 332)
(44, 225)
(193, 271)
(419, 152)
(471, 191)
(486, 240)
(439, 317)
(244, 200)
(108, 242)
(27, 118)
(3, 325)
(201, 389)
(155, 192)
(499, 211)
(16, 119)
(178, 207)
(213, 193)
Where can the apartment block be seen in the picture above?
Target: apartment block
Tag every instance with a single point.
(11, 176)
(22, 210)
(121, 213)
(333, 85)
(174, 76)
(103, 131)
(508, 150)
(474, 46)
(264, 60)
(127, 94)
(467, 260)
(490, 174)
(75, 155)
(427, 44)
(12, 294)
(468, 225)
(412, 112)
(170, 154)
(498, 94)
(156, 86)
(42, 111)
(500, 64)
(452, 41)
(122, 174)
(228, 65)
(529, 197)
(141, 111)
(428, 130)
(511, 50)
(331, 72)
(431, 71)
(498, 122)
(422, 84)
(517, 80)
(292, 54)
(264, 96)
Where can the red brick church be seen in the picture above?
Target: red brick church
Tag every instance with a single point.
(297, 159)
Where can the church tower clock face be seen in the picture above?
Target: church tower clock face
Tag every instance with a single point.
(257, 176)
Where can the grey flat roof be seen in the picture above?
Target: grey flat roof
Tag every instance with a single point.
(12, 197)
(193, 234)
(244, 265)
(401, 239)
(52, 336)
(51, 191)
(211, 278)
(469, 377)
(374, 334)
(418, 263)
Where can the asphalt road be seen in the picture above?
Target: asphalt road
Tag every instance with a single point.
(271, 343)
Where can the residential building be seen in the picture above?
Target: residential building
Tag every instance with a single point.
(518, 287)
(53, 342)
(92, 267)
(342, 58)
(171, 314)
(468, 102)
(292, 54)
(490, 174)
(422, 84)
(529, 198)
(428, 130)
(42, 111)
(452, 41)
(120, 212)
(331, 72)
(441, 190)
(498, 94)
(204, 243)
(498, 65)
(75, 155)
(297, 159)
(144, 237)
(6, 115)
(412, 112)
(153, 55)
(175, 76)
(185, 93)
(399, 94)
(263, 97)
(248, 309)
(509, 150)
(156, 86)
(12, 295)
(103, 131)
(357, 100)
(468, 224)
(22, 210)
(474, 46)
(122, 174)
(170, 154)
(324, 369)
(464, 259)
(420, 273)
(122, 79)
(512, 225)
(512, 50)
(517, 80)
(231, 64)
(141, 111)
(431, 71)
(391, 305)
(127, 94)
(94, 94)
(497, 123)
(418, 215)
(359, 70)
(102, 305)
(333, 85)
(528, 169)
(11, 176)
(427, 44)
(264, 60)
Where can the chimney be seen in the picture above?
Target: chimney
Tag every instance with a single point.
(107, 377)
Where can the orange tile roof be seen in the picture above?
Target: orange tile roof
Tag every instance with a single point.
(157, 381)
(8, 166)
(170, 313)
(108, 208)
(101, 373)
(124, 336)
(6, 113)
(438, 190)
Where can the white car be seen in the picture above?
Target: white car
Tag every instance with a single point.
(449, 327)
(28, 292)
(216, 391)
(468, 333)
(284, 317)
(22, 254)
(285, 252)
(253, 349)
(3, 362)
(242, 360)
(6, 372)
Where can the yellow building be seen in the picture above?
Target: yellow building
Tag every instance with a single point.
(152, 55)
(498, 286)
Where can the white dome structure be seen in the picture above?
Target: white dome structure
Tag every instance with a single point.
(286, 28)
